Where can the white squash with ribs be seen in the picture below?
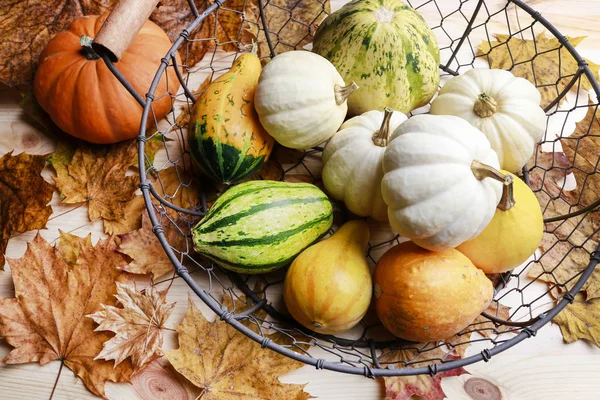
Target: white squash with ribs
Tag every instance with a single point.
(352, 162)
(301, 99)
(441, 183)
(505, 108)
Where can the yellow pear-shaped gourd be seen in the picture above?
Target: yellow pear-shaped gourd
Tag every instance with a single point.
(513, 234)
(328, 287)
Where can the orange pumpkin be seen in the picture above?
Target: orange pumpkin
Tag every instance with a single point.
(421, 295)
(84, 98)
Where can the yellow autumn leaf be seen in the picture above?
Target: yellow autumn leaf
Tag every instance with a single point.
(226, 364)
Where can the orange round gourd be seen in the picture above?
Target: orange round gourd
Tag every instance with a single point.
(422, 295)
(85, 99)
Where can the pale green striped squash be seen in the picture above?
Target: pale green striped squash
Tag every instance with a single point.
(387, 48)
(259, 226)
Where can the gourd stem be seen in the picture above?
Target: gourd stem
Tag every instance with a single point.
(254, 48)
(485, 106)
(382, 136)
(86, 48)
(342, 92)
(482, 171)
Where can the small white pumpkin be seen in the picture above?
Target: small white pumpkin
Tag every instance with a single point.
(505, 108)
(436, 181)
(352, 162)
(301, 99)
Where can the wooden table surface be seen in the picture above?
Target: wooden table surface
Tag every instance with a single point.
(576, 367)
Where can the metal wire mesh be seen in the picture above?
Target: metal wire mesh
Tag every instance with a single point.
(566, 181)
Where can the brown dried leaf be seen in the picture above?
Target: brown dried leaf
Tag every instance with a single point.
(225, 363)
(97, 175)
(137, 325)
(580, 320)
(71, 246)
(142, 246)
(567, 244)
(175, 15)
(271, 171)
(28, 26)
(426, 386)
(24, 196)
(486, 328)
(148, 256)
(46, 320)
(544, 62)
(292, 23)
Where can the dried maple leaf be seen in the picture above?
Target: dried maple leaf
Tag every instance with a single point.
(46, 320)
(225, 363)
(71, 246)
(580, 320)
(425, 386)
(26, 28)
(137, 325)
(97, 175)
(142, 246)
(222, 27)
(146, 252)
(482, 325)
(543, 61)
(24, 196)
(567, 244)
(292, 23)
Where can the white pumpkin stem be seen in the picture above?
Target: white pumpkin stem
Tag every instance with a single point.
(485, 106)
(342, 92)
(382, 136)
(86, 48)
(482, 171)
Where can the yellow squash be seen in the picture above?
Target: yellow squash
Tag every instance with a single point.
(328, 287)
(226, 138)
(512, 236)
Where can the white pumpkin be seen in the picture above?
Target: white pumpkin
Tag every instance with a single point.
(440, 183)
(505, 108)
(301, 99)
(352, 162)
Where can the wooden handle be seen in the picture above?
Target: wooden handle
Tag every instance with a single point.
(122, 25)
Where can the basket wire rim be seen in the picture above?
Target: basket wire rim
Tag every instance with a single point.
(233, 320)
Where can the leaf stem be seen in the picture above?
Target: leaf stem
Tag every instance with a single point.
(86, 48)
(62, 363)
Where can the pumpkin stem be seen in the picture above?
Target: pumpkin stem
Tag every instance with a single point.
(482, 171)
(507, 201)
(254, 48)
(342, 92)
(382, 136)
(86, 48)
(485, 106)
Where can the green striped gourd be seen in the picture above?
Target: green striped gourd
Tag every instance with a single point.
(259, 226)
(387, 48)
(226, 139)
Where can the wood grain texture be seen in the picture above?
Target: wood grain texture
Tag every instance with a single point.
(31, 381)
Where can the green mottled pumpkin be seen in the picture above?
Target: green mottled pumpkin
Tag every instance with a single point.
(226, 139)
(387, 48)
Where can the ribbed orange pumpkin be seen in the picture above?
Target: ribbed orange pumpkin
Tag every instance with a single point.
(421, 295)
(84, 98)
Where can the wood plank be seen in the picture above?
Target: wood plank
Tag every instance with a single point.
(31, 381)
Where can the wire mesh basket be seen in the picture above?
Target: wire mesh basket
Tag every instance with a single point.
(566, 182)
